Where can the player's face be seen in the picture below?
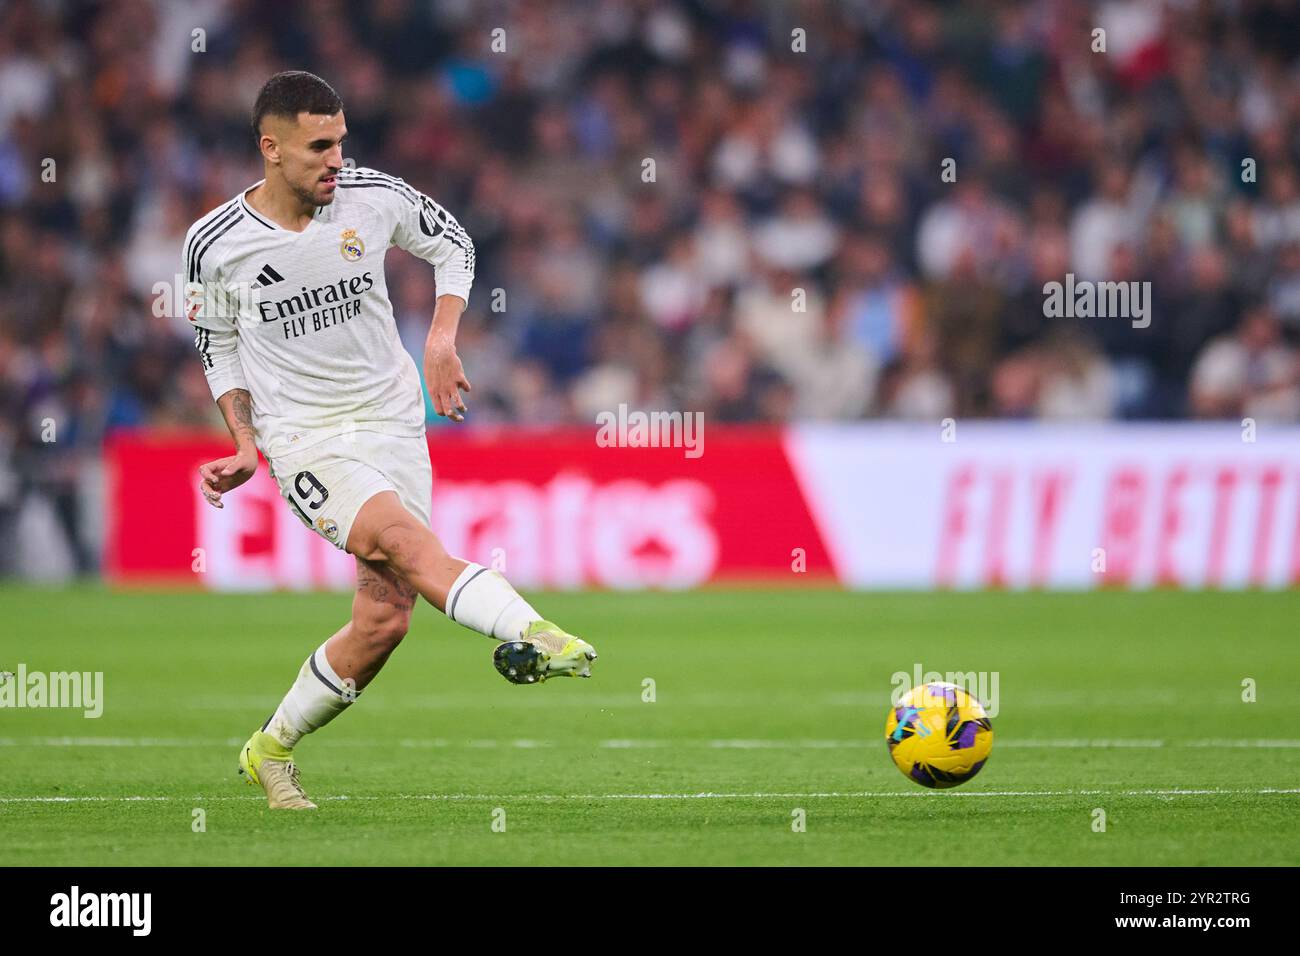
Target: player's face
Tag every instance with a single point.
(310, 154)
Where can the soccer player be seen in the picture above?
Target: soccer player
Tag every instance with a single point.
(285, 287)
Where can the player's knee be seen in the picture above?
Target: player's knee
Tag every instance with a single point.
(404, 543)
(381, 631)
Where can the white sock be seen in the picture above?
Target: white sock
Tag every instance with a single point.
(316, 698)
(483, 600)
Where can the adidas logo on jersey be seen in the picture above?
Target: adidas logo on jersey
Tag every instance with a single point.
(268, 276)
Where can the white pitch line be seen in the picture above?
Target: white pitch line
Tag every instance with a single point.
(119, 742)
(1242, 743)
(633, 743)
(706, 795)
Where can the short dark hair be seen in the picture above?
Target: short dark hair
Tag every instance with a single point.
(293, 92)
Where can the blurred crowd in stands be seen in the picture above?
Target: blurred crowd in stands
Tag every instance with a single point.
(729, 206)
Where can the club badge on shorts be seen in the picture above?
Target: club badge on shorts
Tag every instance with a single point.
(328, 527)
(352, 248)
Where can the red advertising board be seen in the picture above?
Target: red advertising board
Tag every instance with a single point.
(869, 506)
(549, 508)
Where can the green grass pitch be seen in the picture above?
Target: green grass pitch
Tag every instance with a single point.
(765, 702)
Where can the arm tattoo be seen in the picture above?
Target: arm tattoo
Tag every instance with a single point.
(242, 406)
(238, 410)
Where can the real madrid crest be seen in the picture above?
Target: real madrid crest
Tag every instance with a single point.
(328, 527)
(352, 248)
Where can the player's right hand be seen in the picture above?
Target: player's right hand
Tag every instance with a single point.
(226, 473)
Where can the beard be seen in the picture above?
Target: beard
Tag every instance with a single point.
(310, 196)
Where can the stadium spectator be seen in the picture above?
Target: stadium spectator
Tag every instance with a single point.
(1249, 372)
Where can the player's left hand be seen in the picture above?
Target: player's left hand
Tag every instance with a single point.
(445, 378)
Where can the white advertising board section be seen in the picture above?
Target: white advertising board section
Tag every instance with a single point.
(1054, 506)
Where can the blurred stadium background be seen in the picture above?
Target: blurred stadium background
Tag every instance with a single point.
(775, 171)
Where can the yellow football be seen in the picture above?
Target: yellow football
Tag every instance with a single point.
(938, 735)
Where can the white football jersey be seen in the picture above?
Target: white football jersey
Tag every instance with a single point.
(302, 320)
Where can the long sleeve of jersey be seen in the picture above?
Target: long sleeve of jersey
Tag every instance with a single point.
(219, 352)
(215, 322)
(427, 230)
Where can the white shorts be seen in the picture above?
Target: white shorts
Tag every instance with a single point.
(327, 483)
